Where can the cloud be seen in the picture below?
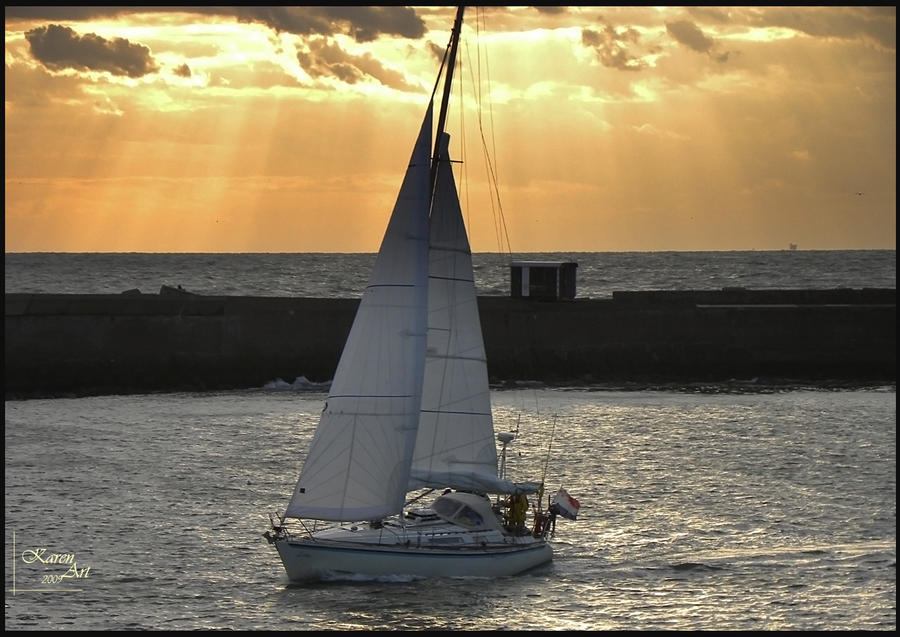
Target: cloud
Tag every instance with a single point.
(58, 47)
(611, 46)
(549, 10)
(689, 34)
(653, 131)
(875, 23)
(720, 15)
(324, 58)
(362, 23)
(64, 13)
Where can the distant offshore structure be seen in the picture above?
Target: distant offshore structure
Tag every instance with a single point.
(792, 246)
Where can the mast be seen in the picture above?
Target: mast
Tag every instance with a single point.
(445, 99)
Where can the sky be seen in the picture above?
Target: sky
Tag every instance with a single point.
(579, 129)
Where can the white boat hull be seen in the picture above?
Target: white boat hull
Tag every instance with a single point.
(309, 559)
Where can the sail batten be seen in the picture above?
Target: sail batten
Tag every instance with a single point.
(385, 396)
(451, 278)
(457, 357)
(389, 285)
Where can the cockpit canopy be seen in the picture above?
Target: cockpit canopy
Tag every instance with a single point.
(467, 510)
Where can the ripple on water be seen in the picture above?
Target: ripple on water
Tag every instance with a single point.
(700, 511)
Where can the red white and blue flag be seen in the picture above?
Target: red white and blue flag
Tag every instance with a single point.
(566, 505)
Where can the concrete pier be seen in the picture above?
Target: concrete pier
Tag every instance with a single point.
(92, 344)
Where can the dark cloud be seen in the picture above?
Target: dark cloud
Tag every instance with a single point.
(550, 10)
(437, 50)
(361, 22)
(183, 71)
(611, 45)
(876, 23)
(367, 23)
(324, 58)
(690, 35)
(65, 13)
(58, 47)
(720, 15)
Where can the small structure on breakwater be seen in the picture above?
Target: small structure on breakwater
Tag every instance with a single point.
(542, 280)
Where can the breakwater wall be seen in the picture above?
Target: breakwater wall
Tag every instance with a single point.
(88, 344)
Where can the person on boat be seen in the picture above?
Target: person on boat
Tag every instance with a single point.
(518, 506)
(553, 511)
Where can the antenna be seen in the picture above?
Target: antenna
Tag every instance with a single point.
(505, 438)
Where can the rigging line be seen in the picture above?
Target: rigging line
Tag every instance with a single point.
(480, 111)
(462, 119)
(418, 497)
(547, 459)
(480, 116)
(500, 227)
(490, 105)
(464, 176)
(475, 78)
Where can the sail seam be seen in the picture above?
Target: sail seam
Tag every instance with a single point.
(477, 359)
(450, 278)
(390, 285)
(439, 248)
(370, 396)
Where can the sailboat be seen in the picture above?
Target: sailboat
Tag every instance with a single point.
(408, 412)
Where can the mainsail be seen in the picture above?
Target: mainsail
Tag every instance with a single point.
(358, 463)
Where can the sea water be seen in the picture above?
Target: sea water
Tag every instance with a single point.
(706, 509)
(598, 274)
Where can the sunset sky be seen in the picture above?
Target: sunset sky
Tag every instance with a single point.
(288, 129)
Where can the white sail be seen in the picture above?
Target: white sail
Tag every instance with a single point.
(409, 408)
(455, 445)
(358, 463)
